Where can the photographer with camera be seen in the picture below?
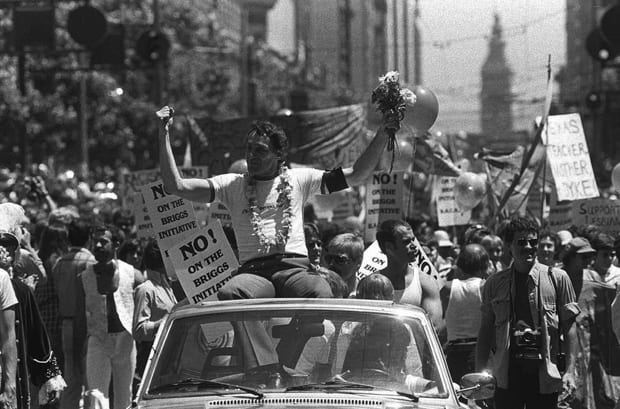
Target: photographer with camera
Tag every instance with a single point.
(525, 308)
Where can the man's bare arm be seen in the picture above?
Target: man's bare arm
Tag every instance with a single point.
(485, 335)
(368, 160)
(431, 302)
(197, 190)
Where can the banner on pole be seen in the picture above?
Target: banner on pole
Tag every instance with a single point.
(569, 158)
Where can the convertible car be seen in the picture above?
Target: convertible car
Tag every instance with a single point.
(302, 353)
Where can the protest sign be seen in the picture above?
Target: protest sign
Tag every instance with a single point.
(144, 227)
(204, 262)
(384, 192)
(172, 217)
(131, 182)
(569, 158)
(603, 213)
(345, 208)
(372, 261)
(217, 211)
(448, 212)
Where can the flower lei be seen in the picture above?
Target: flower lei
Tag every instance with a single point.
(284, 200)
(392, 100)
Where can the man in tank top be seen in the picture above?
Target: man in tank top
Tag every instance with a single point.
(461, 299)
(396, 240)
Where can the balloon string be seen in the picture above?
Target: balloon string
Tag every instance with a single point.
(391, 145)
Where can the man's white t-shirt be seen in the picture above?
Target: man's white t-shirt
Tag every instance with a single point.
(230, 190)
(7, 294)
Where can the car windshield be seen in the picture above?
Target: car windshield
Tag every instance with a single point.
(310, 350)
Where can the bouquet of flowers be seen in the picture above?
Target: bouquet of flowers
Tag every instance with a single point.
(392, 101)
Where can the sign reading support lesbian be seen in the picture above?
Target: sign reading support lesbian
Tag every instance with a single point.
(204, 262)
(569, 158)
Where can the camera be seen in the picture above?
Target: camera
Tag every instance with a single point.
(528, 344)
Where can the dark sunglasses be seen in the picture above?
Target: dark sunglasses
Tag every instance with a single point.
(338, 260)
(523, 242)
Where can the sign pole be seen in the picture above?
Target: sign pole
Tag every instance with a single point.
(545, 143)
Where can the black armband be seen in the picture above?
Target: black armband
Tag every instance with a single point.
(333, 181)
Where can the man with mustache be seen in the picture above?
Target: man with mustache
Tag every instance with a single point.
(524, 310)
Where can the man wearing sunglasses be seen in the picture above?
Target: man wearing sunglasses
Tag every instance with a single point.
(344, 256)
(524, 308)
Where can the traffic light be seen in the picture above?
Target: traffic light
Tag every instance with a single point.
(603, 42)
(593, 100)
(34, 27)
(598, 47)
(87, 26)
(153, 46)
(111, 50)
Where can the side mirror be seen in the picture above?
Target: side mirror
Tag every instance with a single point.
(478, 386)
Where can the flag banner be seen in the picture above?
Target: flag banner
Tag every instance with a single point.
(569, 158)
(502, 170)
(325, 138)
(432, 159)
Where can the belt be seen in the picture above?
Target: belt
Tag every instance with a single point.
(462, 341)
(272, 257)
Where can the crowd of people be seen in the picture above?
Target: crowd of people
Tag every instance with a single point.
(84, 297)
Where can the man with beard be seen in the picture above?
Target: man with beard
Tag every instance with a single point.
(524, 310)
(104, 314)
(396, 240)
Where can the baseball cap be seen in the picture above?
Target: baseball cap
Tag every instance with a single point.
(565, 237)
(579, 245)
(442, 238)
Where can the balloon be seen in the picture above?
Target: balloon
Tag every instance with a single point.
(238, 166)
(422, 115)
(615, 177)
(469, 189)
(404, 156)
(404, 151)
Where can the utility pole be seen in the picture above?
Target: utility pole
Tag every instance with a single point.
(21, 85)
(417, 45)
(83, 120)
(244, 63)
(159, 63)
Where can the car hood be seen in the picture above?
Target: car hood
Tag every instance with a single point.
(295, 400)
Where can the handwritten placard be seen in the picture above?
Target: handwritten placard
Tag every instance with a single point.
(569, 158)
